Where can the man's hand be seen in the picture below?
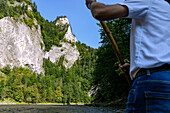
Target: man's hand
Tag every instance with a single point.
(125, 67)
(88, 1)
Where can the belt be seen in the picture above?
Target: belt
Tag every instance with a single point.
(143, 71)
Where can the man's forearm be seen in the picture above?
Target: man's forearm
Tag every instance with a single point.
(107, 12)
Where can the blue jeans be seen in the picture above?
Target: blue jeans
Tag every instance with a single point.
(150, 94)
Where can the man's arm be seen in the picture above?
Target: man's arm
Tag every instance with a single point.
(107, 12)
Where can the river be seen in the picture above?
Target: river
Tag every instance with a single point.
(57, 109)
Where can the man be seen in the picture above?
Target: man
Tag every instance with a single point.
(150, 51)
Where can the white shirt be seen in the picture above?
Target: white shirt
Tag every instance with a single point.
(150, 33)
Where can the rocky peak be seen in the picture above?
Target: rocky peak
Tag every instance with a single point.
(69, 35)
(62, 20)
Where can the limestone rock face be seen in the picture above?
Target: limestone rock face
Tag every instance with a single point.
(20, 45)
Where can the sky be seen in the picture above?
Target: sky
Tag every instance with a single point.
(84, 26)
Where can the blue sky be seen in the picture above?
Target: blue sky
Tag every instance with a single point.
(83, 25)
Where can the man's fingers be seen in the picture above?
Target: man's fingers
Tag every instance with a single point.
(88, 1)
(121, 66)
(124, 67)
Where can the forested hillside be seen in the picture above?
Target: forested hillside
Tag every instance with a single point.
(57, 84)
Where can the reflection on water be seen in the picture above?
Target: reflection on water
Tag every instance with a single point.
(56, 109)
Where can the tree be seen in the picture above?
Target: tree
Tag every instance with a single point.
(108, 82)
(58, 95)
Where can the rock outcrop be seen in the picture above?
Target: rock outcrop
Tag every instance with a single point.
(20, 45)
(68, 50)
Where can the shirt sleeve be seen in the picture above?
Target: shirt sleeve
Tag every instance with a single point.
(137, 8)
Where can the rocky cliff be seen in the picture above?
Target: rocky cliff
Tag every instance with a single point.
(21, 45)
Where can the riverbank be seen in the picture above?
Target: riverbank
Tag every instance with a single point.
(117, 104)
(13, 102)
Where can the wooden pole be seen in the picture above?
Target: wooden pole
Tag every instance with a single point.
(118, 54)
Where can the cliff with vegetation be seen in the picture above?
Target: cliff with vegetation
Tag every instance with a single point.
(68, 49)
(22, 42)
